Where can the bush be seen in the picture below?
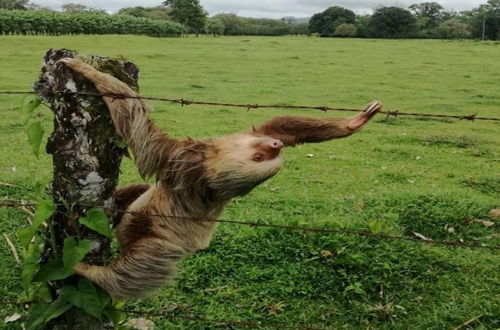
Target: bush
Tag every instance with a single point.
(345, 30)
(47, 22)
(215, 27)
(454, 29)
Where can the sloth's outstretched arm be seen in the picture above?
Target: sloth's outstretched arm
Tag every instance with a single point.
(151, 147)
(296, 130)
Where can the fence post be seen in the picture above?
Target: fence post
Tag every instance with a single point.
(86, 156)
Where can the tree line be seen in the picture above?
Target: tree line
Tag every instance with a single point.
(420, 20)
(175, 17)
(47, 22)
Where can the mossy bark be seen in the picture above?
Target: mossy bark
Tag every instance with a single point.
(86, 156)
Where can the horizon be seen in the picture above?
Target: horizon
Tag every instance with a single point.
(268, 8)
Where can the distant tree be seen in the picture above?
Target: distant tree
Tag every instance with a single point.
(492, 20)
(189, 13)
(233, 25)
(78, 8)
(392, 22)
(327, 21)
(299, 28)
(13, 4)
(236, 25)
(133, 11)
(430, 12)
(429, 15)
(34, 6)
(363, 26)
(454, 29)
(158, 12)
(316, 23)
(345, 30)
(484, 20)
(288, 19)
(214, 27)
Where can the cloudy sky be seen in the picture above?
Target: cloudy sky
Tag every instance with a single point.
(267, 8)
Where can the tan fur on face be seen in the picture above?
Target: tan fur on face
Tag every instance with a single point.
(231, 171)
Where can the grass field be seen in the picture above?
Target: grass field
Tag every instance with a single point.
(410, 175)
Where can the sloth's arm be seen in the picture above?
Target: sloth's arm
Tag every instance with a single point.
(150, 146)
(296, 130)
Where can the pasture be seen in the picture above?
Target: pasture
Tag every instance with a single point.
(402, 176)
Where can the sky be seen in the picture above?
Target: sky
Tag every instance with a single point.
(268, 8)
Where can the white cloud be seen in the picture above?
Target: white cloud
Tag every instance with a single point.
(268, 8)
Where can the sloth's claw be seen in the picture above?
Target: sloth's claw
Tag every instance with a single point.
(359, 120)
(372, 108)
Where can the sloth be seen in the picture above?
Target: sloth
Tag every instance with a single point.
(164, 222)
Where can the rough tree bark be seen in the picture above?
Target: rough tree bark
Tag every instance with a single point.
(86, 157)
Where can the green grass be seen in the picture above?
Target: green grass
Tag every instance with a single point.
(412, 175)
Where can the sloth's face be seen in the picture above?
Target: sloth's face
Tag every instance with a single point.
(241, 162)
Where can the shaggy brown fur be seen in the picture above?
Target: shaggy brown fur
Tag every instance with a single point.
(194, 179)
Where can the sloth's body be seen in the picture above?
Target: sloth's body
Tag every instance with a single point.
(195, 180)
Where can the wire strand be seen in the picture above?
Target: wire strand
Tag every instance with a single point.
(250, 106)
(349, 232)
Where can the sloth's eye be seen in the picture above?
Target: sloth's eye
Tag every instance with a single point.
(258, 157)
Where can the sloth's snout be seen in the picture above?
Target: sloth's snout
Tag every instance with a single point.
(270, 147)
(275, 144)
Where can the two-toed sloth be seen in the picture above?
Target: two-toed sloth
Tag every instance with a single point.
(195, 179)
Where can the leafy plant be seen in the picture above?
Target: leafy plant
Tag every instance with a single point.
(98, 221)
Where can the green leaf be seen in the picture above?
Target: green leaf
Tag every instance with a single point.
(25, 235)
(386, 224)
(356, 287)
(30, 265)
(53, 271)
(376, 226)
(43, 212)
(114, 316)
(37, 292)
(98, 221)
(87, 297)
(35, 134)
(43, 313)
(73, 251)
(30, 103)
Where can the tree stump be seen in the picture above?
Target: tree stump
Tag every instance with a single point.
(86, 156)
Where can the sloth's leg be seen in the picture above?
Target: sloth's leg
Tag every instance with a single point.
(148, 264)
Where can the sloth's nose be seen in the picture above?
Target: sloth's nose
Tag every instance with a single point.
(270, 147)
(275, 144)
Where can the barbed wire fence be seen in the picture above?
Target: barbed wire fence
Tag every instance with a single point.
(162, 313)
(250, 106)
(348, 232)
(165, 313)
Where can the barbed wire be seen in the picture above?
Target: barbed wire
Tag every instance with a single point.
(348, 232)
(250, 106)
